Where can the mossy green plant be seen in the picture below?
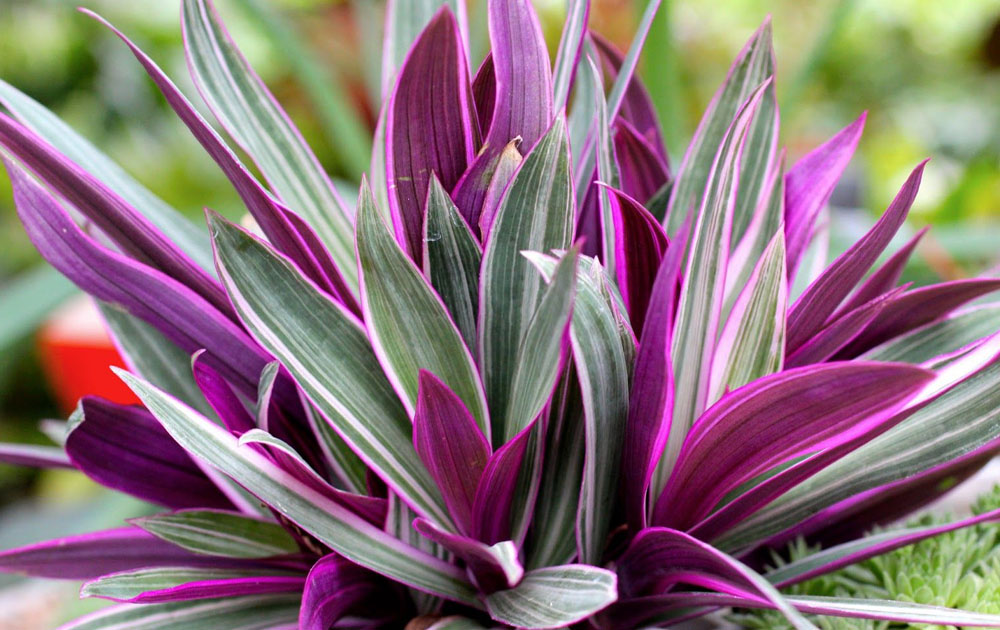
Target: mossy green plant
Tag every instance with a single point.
(959, 569)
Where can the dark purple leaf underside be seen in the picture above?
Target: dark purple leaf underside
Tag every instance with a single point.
(125, 448)
(774, 419)
(640, 244)
(642, 172)
(180, 314)
(336, 588)
(221, 397)
(489, 573)
(523, 97)
(429, 128)
(819, 301)
(885, 278)
(497, 487)
(809, 184)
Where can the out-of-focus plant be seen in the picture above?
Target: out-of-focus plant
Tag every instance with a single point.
(958, 568)
(533, 378)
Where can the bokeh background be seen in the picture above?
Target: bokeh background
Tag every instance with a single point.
(928, 73)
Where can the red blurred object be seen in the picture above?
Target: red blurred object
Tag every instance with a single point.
(77, 353)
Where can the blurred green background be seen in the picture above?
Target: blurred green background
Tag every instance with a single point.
(928, 72)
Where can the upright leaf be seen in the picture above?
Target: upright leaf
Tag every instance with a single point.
(408, 325)
(327, 352)
(404, 21)
(429, 127)
(570, 50)
(252, 116)
(536, 214)
(452, 257)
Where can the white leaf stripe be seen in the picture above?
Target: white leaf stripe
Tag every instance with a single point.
(341, 530)
(961, 420)
(127, 585)
(328, 354)
(570, 44)
(220, 533)
(554, 597)
(408, 325)
(234, 613)
(536, 214)
(940, 338)
(248, 111)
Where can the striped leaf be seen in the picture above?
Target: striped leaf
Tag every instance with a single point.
(251, 115)
(218, 533)
(146, 585)
(341, 530)
(260, 612)
(451, 261)
(408, 325)
(752, 343)
(698, 312)
(940, 338)
(328, 353)
(570, 49)
(536, 214)
(752, 67)
(961, 420)
(554, 597)
(603, 371)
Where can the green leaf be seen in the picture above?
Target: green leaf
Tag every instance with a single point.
(607, 169)
(535, 214)
(452, 261)
(248, 111)
(554, 597)
(343, 462)
(939, 338)
(128, 585)
(456, 623)
(409, 327)
(570, 42)
(185, 234)
(754, 65)
(537, 365)
(334, 106)
(327, 352)
(217, 533)
(959, 421)
(341, 530)
(898, 610)
(700, 302)
(752, 343)
(260, 612)
(603, 373)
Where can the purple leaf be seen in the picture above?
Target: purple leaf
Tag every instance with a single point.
(271, 216)
(660, 558)
(133, 233)
(206, 588)
(33, 455)
(523, 96)
(493, 567)
(885, 278)
(429, 126)
(640, 243)
(336, 587)
(125, 448)
(484, 95)
(836, 335)
(643, 173)
(916, 308)
(809, 184)
(87, 556)
(451, 445)
(637, 109)
(813, 309)
(496, 489)
(773, 419)
(652, 398)
(221, 397)
(179, 313)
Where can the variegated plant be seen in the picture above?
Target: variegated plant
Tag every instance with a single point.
(533, 379)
